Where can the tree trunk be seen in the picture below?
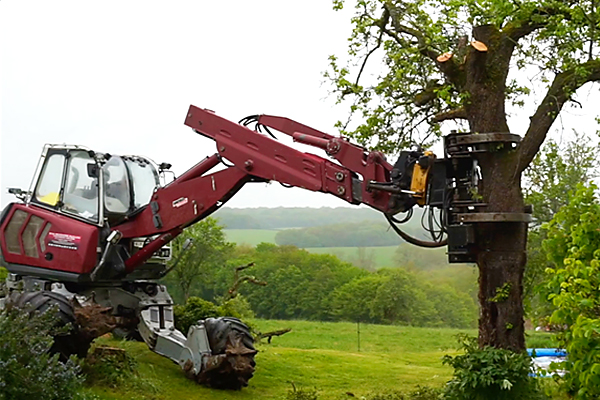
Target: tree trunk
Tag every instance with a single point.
(501, 246)
(501, 259)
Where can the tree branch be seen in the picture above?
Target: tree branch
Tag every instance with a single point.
(519, 32)
(382, 23)
(563, 87)
(528, 26)
(458, 113)
(449, 68)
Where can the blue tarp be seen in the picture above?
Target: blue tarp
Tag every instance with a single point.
(547, 352)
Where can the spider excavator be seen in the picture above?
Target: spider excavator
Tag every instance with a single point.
(90, 237)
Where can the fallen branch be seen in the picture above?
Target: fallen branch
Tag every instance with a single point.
(270, 335)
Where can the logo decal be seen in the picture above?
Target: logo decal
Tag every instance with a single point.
(63, 240)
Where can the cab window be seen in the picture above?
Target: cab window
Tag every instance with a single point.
(117, 198)
(145, 180)
(81, 190)
(48, 187)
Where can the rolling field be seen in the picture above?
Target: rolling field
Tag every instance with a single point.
(318, 355)
(383, 256)
(250, 237)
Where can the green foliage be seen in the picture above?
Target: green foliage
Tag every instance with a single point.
(353, 301)
(502, 293)
(490, 374)
(395, 88)
(550, 182)
(27, 370)
(572, 245)
(238, 307)
(194, 309)
(552, 178)
(321, 287)
(398, 296)
(209, 250)
(3, 275)
(112, 370)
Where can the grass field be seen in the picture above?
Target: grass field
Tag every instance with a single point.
(251, 237)
(317, 355)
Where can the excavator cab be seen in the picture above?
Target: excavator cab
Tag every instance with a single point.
(93, 187)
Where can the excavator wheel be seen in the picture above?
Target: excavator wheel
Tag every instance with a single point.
(230, 337)
(67, 344)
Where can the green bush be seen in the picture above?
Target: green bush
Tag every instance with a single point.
(490, 374)
(115, 368)
(194, 309)
(237, 307)
(27, 370)
(110, 369)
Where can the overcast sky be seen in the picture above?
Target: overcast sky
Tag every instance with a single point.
(119, 76)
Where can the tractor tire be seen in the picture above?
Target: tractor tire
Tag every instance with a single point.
(230, 336)
(66, 344)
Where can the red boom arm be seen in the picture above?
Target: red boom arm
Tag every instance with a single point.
(256, 157)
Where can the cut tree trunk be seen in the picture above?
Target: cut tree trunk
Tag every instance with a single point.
(501, 246)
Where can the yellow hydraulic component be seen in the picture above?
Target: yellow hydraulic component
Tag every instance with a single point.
(419, 179)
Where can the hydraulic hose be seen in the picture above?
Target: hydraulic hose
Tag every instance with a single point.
(413, 240)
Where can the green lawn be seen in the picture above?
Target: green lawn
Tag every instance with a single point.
(313, 355)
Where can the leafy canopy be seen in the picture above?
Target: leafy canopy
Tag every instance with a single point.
(405, 91)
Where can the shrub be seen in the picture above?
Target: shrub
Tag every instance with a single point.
(194, 309)
(237, 307)
(115, 368)
(27, 370)
(490, 374)
(112, 369)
